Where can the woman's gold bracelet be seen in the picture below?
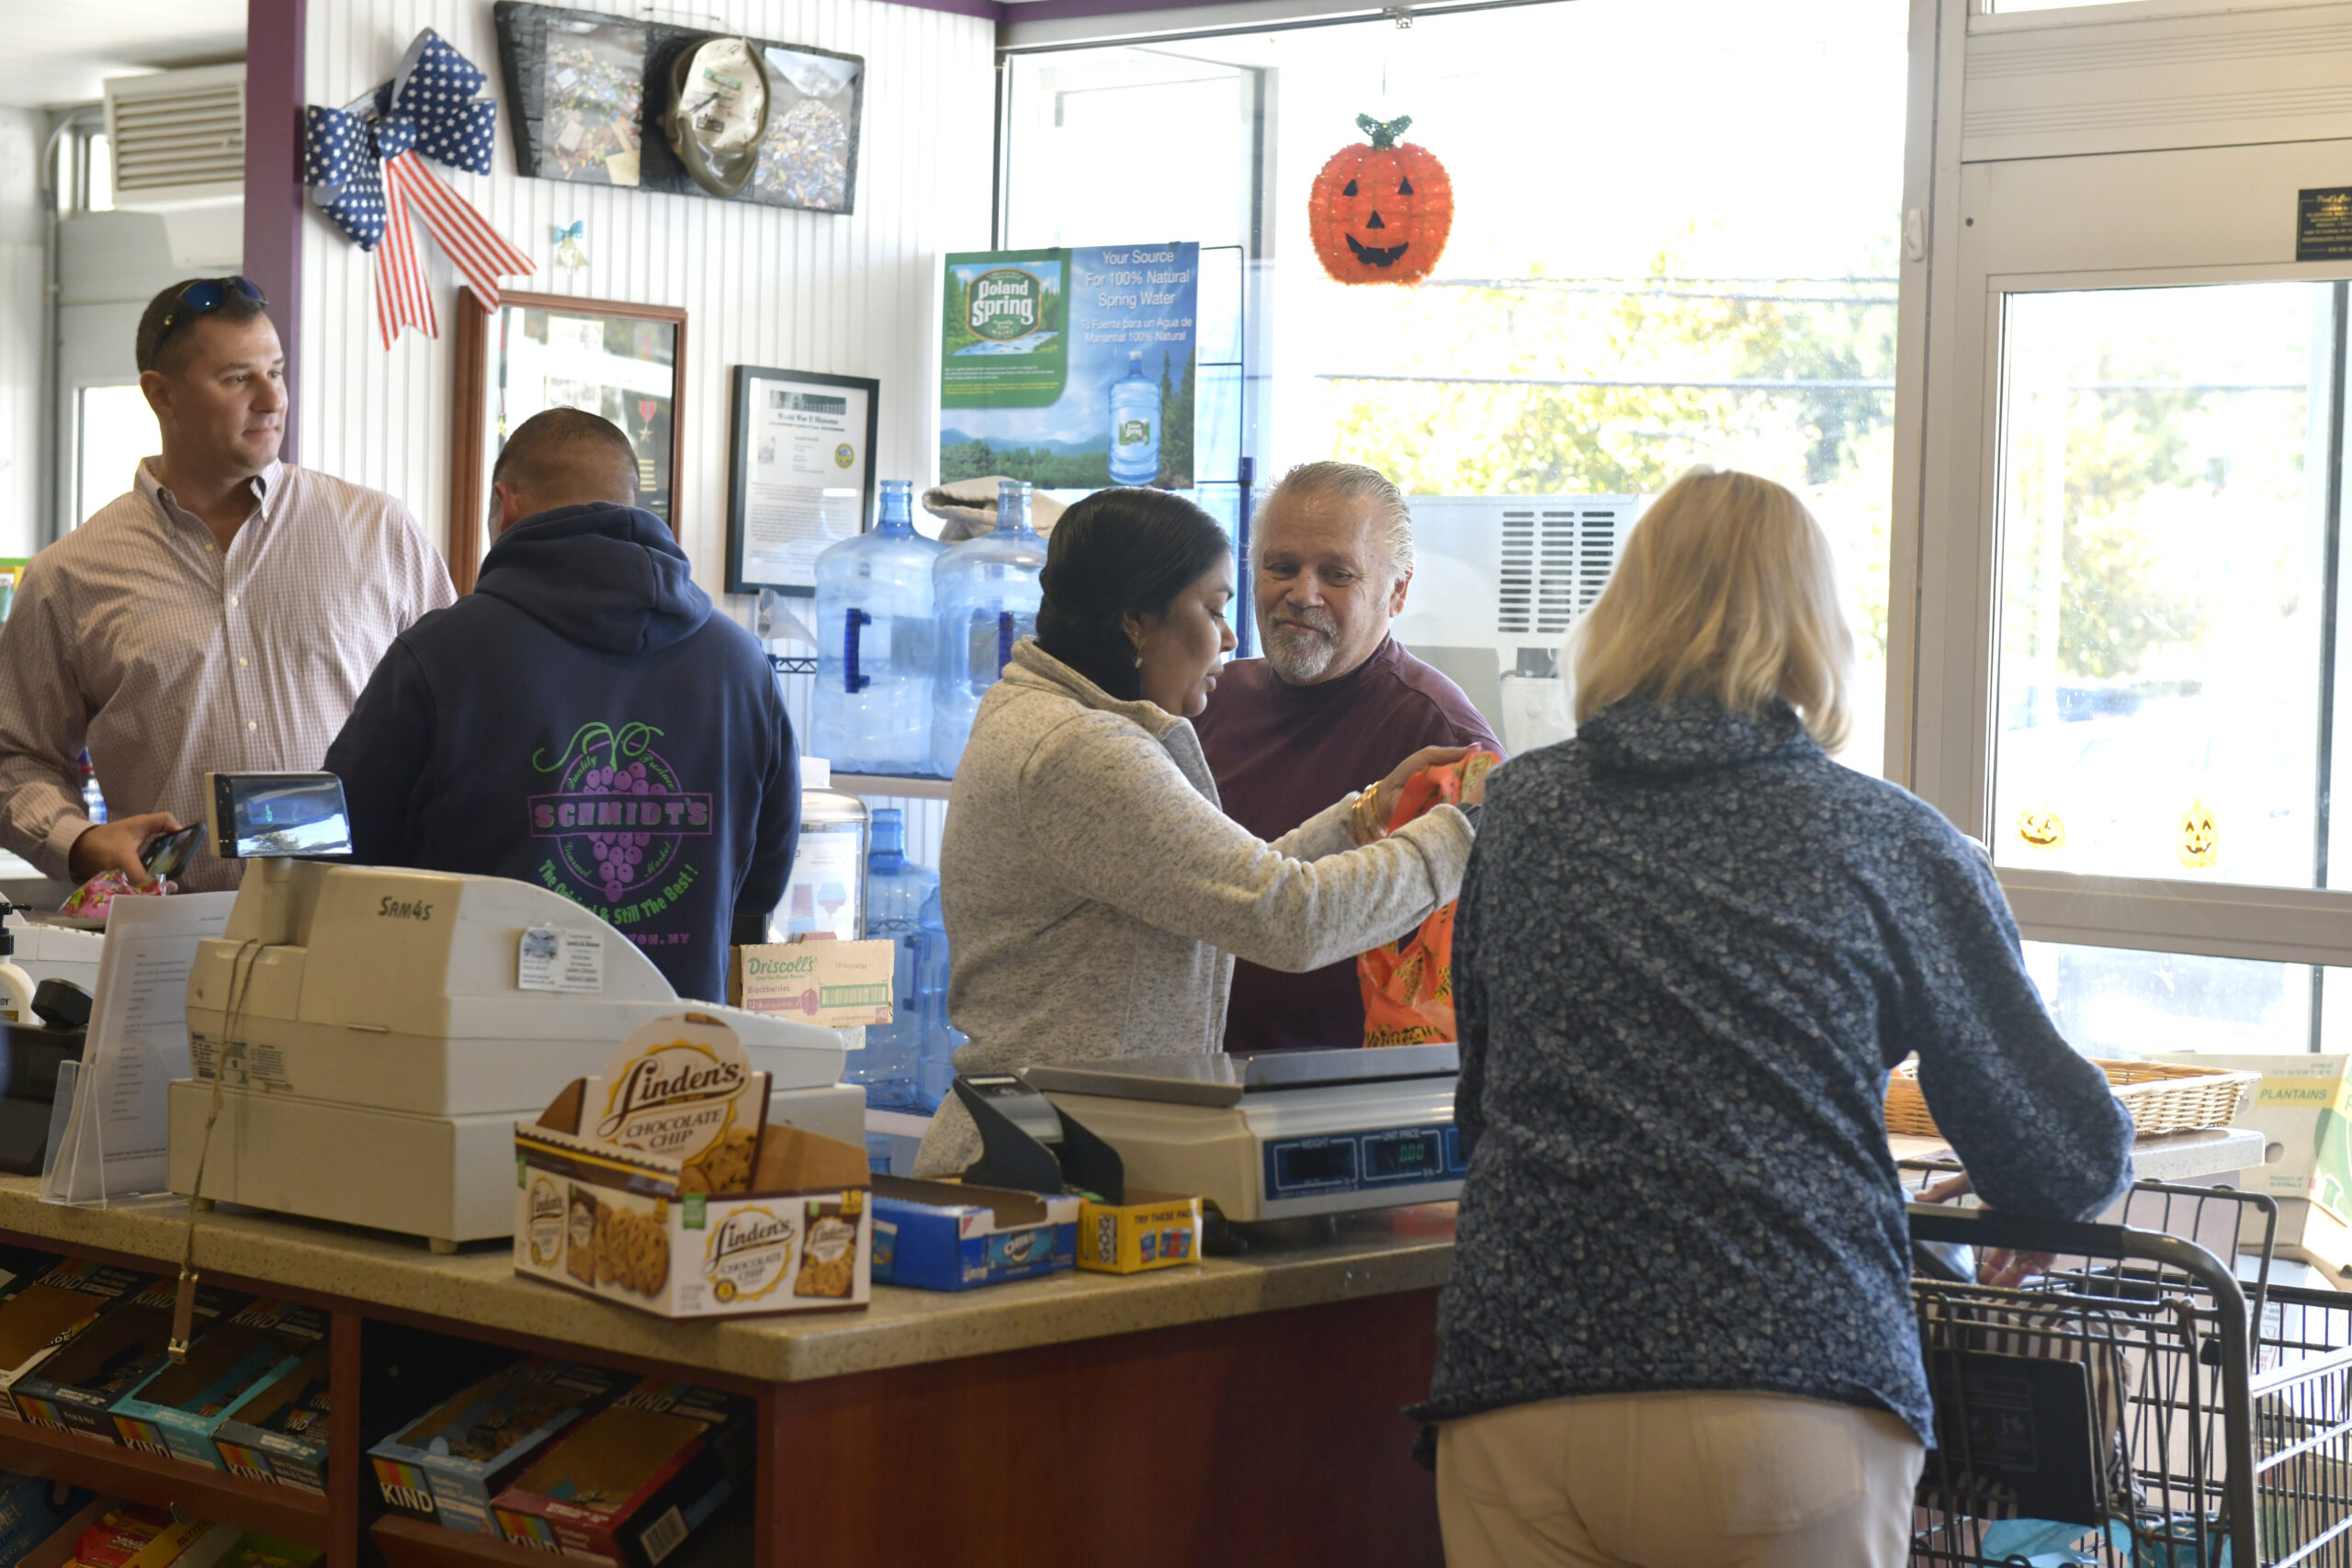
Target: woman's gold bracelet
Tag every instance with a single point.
(1364, 821)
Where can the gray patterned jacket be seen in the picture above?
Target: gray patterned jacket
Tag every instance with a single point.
(1688, 947)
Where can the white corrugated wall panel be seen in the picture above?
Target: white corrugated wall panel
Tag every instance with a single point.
(850, 295)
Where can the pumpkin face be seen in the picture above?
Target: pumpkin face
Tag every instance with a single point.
(2043, 829)
(2199, 836)
(1381, 213)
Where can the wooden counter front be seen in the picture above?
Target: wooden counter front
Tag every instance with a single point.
(1168, 1417)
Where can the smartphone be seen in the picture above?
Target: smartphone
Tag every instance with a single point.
(166, 854)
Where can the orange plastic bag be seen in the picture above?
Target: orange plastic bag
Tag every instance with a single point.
(1408, 984)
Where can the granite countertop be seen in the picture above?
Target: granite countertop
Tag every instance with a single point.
(1380, 1254)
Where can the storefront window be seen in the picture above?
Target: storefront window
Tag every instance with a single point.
(2122, 1002)
(1648, 268)
(2165, 551)
(115, 429)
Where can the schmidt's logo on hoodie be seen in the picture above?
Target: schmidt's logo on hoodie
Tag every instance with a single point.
(619, 824)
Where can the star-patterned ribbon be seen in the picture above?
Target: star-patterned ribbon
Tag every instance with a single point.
(364, 165)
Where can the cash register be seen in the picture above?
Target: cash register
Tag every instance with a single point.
(376, 1032)
(1275, 1136)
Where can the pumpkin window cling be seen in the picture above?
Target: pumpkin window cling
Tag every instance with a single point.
(2041, 828)
(1381, 213)
(2201, 836)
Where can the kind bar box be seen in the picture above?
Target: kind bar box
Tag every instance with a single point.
(2303, 1108)
(781, 1226)
(43, 1312)
(447, 1465)
(1150, 1230)
(630, 1483)
(280, 1434)
(944, 1235)
(834, 985)
(179, 1410)
(75, 1390)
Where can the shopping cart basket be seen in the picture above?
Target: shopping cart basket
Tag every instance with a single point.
(2114, 1410)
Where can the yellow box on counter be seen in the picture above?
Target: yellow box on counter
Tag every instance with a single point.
(833, 985)
(614, 1223)
(1150, 1230)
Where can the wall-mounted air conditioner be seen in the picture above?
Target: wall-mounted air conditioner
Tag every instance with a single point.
(1498, 581)
(178, 139)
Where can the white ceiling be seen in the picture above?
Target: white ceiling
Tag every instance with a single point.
(59, 50)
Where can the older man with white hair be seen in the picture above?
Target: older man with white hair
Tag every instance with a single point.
(1334, 702)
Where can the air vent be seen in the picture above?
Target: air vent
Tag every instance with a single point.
(177, 135)
(1555, 562)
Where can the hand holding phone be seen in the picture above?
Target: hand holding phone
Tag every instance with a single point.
(166, 854)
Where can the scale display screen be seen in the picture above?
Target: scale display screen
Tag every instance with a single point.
(1405, 1155)
(1392, 1156)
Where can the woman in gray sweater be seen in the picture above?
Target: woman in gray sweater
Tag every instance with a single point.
(1095, 893)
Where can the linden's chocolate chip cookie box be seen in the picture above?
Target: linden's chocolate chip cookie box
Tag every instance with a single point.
(659, 1184)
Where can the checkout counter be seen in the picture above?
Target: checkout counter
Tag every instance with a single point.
(1176, 1416)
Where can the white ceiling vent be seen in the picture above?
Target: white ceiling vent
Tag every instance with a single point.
(179, 136)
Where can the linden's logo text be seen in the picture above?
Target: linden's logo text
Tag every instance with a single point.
(651, 1083)
(748, 1230)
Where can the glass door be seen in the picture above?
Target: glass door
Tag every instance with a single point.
(2140, 707)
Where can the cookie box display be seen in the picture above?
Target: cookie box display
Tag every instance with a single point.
(633, 1482)
(447, 1465)
(179, 1409)
(1150, 1230)
(944, 1235)
(280, 1435)
(611, 1200)
(43, 1311)
(75, 1390)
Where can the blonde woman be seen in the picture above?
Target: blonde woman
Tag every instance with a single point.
(1688, 947)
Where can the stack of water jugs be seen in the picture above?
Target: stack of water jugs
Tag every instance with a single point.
(911, 635)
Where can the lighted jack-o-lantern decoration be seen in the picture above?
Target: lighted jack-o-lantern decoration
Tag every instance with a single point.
(1381, 213)
(2043, 828)
(2199, 836)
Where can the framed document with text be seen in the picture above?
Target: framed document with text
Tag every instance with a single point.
(801, 475)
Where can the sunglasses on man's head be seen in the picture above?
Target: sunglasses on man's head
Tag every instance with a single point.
(202, 298)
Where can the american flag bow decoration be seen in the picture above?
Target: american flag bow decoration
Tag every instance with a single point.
(364, 165)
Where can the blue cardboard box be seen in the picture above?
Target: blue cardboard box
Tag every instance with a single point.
(280, 1434)
(74, 1390)
(179, 1410)
(447, 1465)
(942, 1235)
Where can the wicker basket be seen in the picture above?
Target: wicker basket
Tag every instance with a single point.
(2163, 1097)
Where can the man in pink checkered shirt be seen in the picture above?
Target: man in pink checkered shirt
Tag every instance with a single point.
(222, 617)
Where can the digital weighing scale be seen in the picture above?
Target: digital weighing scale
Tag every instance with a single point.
(1280, 1135)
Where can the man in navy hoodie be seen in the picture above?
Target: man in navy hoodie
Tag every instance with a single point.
(584, 720)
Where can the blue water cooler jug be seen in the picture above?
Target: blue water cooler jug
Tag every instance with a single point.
(895, 892)
(935, 1056)
(875, 659)
(988, 594)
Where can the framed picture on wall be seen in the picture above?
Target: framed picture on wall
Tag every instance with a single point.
(801, 476)
(543, 350)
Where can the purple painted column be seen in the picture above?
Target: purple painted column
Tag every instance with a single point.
(274, 56)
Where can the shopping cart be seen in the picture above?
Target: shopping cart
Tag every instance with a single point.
(2135, 1405)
